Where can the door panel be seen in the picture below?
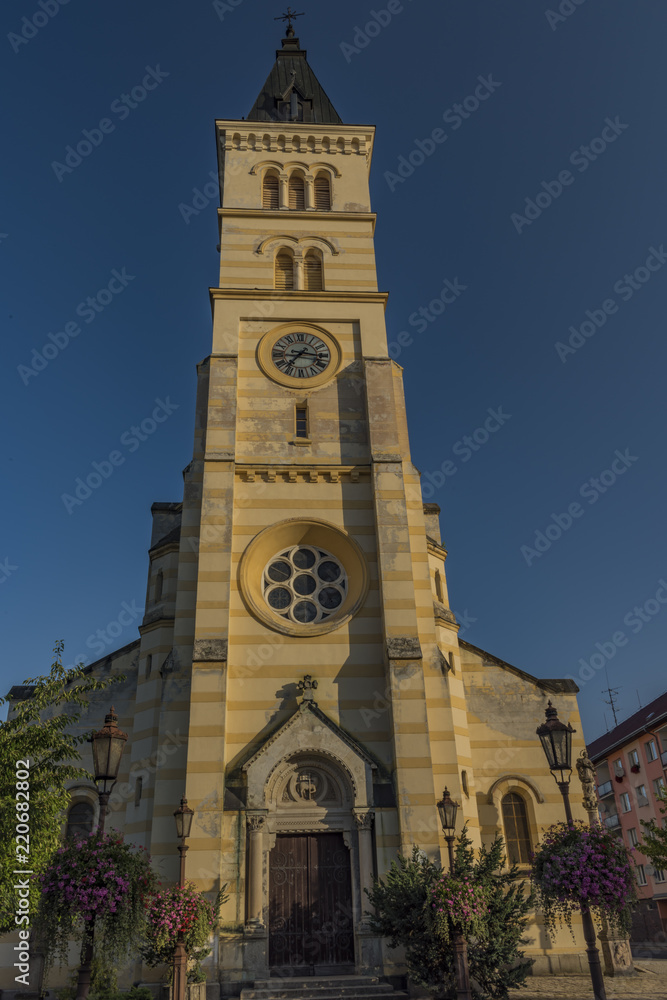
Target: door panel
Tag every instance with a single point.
(310, 903)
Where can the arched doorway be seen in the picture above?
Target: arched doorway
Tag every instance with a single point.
(310, 904)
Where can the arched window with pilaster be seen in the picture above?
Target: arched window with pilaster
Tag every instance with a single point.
(284, 271)
(271, 191)
(313, 280)
(517, 833)
(297, 193)
(322, 193)
(80, 820)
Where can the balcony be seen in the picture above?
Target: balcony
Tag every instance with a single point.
(606, 789)
(613, 822)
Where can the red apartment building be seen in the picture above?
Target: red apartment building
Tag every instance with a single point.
(631, 766)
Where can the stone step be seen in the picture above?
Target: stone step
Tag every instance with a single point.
(332, 993)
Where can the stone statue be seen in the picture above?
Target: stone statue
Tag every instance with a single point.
(586, 772)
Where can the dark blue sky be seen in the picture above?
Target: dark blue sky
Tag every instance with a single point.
(572, 119)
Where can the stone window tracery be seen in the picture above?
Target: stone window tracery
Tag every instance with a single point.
(304, 584)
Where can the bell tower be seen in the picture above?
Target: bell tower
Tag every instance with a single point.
(306, 552)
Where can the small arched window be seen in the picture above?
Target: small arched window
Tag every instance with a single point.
(322, 193)
(284, 278)
(80, 821)
(297, 193)
(517, 836)
(270, 191)
(312, 272)
(159, 586)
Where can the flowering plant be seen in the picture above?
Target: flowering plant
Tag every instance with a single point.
(97, 881)
(578, 864)
(180, 909)
(458, 906)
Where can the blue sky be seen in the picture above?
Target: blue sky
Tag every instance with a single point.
(542, 204)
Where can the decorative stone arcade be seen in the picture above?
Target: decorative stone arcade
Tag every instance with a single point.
(310, 854)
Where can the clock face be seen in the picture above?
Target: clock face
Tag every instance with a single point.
(301, 355)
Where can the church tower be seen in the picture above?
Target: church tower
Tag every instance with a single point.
(299, 676)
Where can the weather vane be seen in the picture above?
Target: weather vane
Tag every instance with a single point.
(289, 17)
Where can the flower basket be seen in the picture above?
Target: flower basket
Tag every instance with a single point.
(458, 906)
(96, 882)
(576, 864)
(181, 909)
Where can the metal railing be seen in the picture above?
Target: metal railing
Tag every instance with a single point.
(612, 822)
(607, 788)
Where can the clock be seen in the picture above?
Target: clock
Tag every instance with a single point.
(299, 355)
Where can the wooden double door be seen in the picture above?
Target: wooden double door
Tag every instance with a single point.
(310, 905)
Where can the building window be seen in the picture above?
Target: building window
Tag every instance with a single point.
(138, 787)
(297, 193)
(515, 822)
(625, 802)
(80, 821)
(618, 767)
(642, 797)
(633, 757)
(641, 875)
(658, 875)
(301, 422)
(271, 192)
(658, 785)
(438, 585)
(304, 585)
(651, 751)
(632, 837)
(159, 586)
(284, 279)
(312, 272)
(149, 665)
(322, 193)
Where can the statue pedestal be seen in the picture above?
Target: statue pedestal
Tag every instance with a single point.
(616, 954)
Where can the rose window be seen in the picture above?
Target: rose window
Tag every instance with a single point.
(304, 584)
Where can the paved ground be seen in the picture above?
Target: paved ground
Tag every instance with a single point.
(648, 985)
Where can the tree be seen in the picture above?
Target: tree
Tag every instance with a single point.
(39, 734)
(654, 844)
(401, 901)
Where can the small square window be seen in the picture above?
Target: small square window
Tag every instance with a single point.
(618, 766)
(642, 797)
(651, 751)
(641, 875)
(632, 837)
(301, 422)
(658, 785)
(633, 757)
(625, 802)
(658, 875)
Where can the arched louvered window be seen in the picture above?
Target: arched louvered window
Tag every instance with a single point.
(284, 278)
(517, 836)
(159, 586)
(322, 193)
(80, 821)
(297, 193)
(270, 191)
(312, 272)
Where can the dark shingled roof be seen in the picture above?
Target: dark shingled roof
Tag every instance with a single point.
(654, 714)
(291, 69)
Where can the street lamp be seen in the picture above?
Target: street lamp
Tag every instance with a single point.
(108, 745)
(183, 816)
(448, 809)
(556, 738)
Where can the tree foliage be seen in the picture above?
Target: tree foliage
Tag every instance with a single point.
(402, 900)
(39, 731)
(654, 842)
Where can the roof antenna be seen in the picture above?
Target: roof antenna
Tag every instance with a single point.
(638, 698)
(611, 700)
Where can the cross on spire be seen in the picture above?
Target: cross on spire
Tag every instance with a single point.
(290, 16)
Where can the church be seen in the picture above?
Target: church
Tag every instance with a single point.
(299, 676)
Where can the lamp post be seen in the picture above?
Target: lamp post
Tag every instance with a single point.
(183, 816)
(556, 739)
(448, 809)
(108, 745)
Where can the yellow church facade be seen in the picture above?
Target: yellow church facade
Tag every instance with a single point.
(299, 676)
